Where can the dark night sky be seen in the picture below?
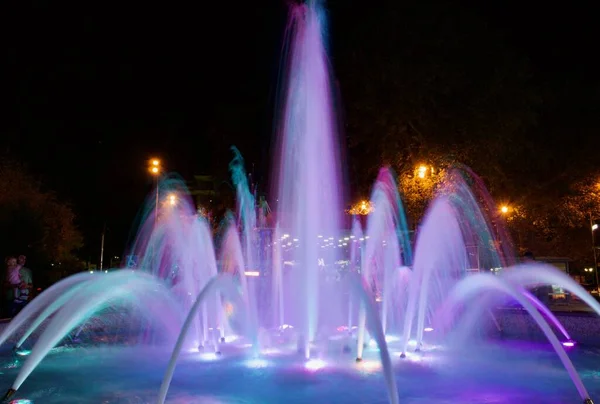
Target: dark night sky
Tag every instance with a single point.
(91, 90)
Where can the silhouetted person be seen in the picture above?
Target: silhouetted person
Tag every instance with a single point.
(26, 285)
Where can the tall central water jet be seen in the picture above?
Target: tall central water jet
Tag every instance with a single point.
(308, 166)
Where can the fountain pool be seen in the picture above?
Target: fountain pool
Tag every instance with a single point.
(515, 373)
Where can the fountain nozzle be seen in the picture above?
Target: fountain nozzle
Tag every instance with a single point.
(588, 401)
(358, 360)
(11, 392)
(403, 355)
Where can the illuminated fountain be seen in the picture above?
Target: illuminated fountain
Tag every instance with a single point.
(233, 316)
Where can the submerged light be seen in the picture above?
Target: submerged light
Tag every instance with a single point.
(315, 364)
(256, 363)
(23, 352)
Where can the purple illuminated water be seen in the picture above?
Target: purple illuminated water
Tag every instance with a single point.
(308, 311)
(308, 170)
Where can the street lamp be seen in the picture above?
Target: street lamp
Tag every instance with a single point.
(422, 171)
(504, 209)
(154, 167)
(172, 199)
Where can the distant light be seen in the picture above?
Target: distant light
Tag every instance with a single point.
(252, 273)
(504, 209)
(315, 364)
(106, 271)
(91, 272)
(595, 226)
(569, 344)
(172, 199)
(155, 162)
(422, 171)
(154, 170)
(428, 329)
(363, 207)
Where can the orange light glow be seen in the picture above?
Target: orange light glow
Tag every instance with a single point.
(363, 207)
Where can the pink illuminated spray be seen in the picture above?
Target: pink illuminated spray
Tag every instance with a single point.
(308, 165)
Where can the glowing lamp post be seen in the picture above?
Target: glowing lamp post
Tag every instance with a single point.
(155, 169)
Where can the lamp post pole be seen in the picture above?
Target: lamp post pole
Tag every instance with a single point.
(102, 247)
(155, 169)
(593, 228)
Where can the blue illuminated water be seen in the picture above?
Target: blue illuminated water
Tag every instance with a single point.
(501, 373)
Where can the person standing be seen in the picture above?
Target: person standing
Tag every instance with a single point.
(12, 283)
(25, 286)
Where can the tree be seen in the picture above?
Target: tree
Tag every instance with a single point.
(418, 187)
(582, 203)
(423, 77)
(33, 221)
